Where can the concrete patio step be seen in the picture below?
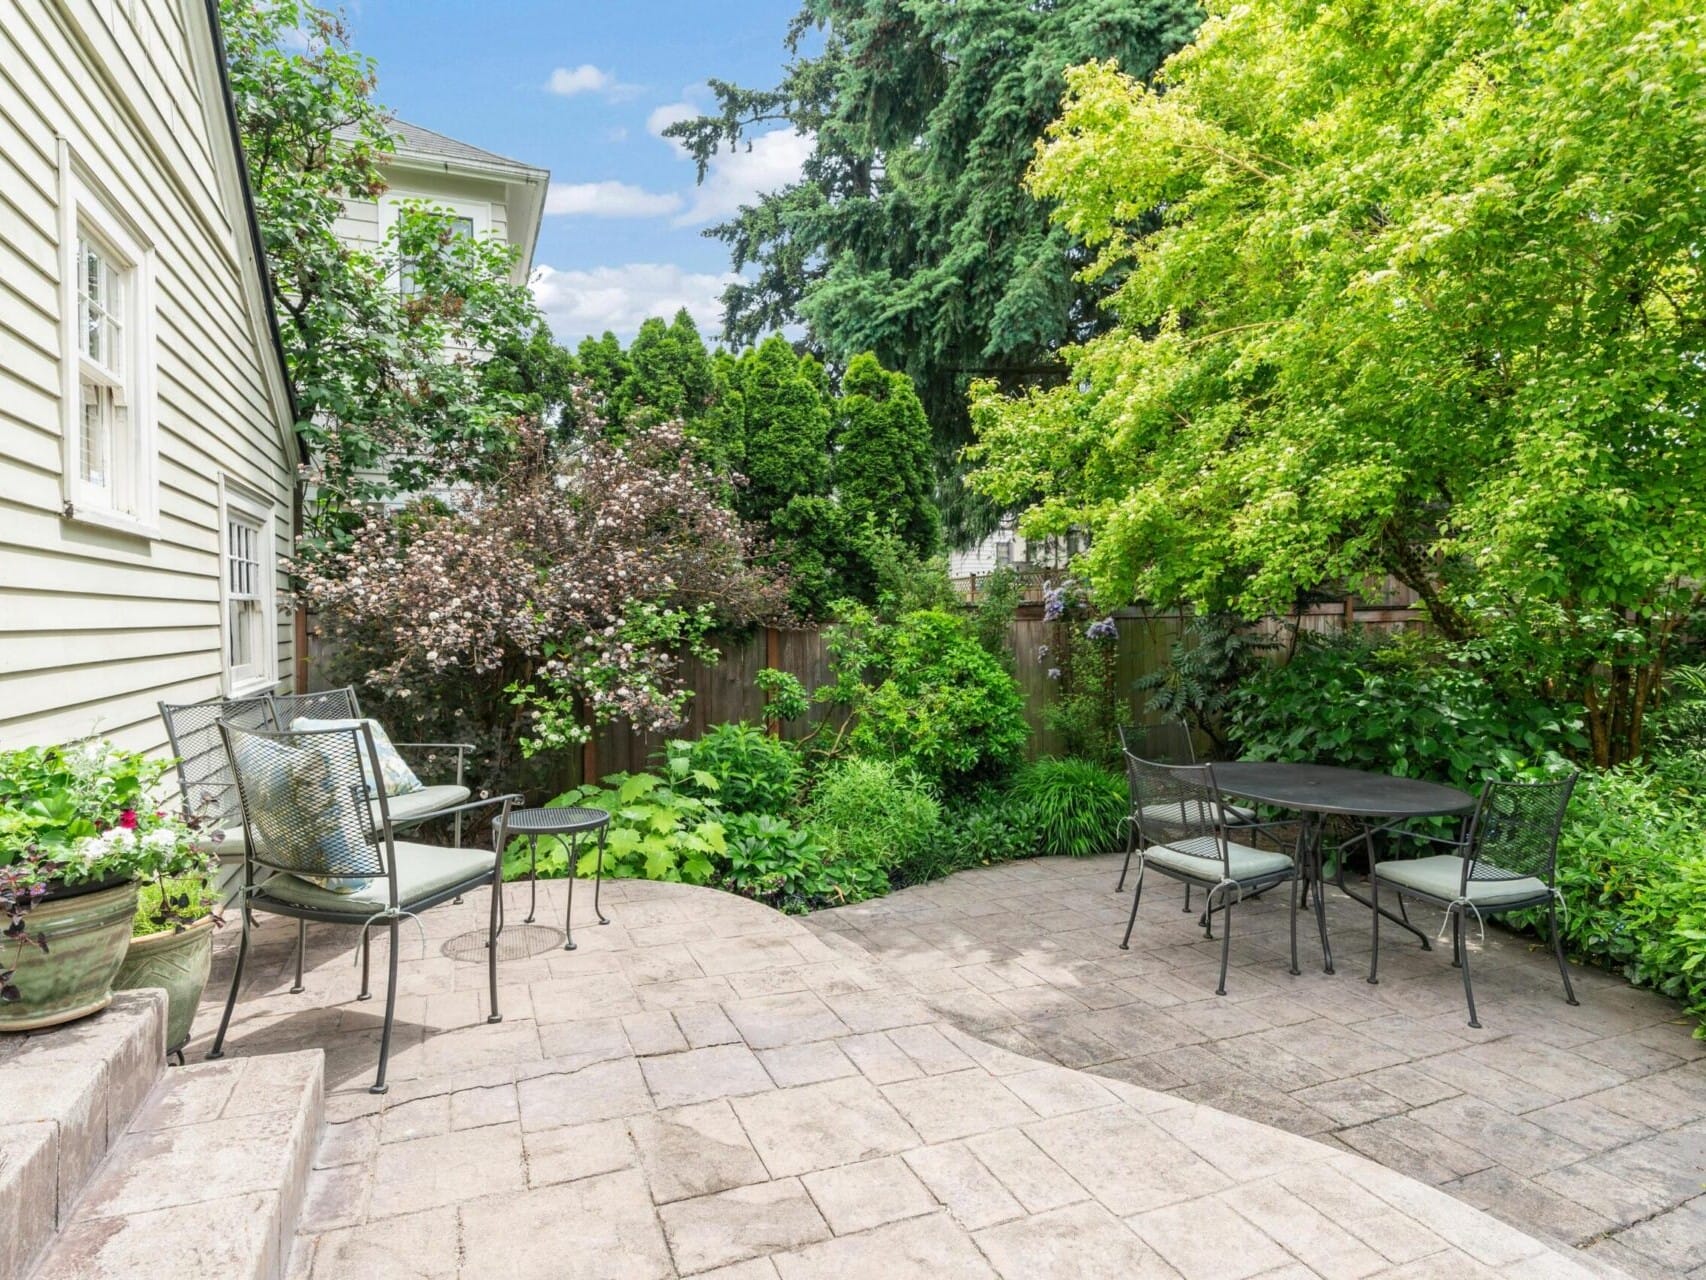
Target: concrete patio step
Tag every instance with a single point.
(207, 1180)
(71, 1093)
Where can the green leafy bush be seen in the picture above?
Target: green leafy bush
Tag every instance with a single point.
(657, 832)
(740, 766)
(1402, 707)
(874, 815)
(991, 825)
(790, 868)
(926, 695)
(1632, 871)
(1074, 807)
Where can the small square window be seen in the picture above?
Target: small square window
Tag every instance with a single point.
(461, 226)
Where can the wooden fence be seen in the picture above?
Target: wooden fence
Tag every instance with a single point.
(726, 690)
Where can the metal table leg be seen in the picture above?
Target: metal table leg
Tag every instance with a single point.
(598, 879)
(1402, 921)
(1309, 854)
(532, 879)
(569, 912)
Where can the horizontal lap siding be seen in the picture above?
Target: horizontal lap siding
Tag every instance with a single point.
(95, 626)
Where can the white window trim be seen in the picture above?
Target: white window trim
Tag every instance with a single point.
(235, 497)
(82, 207)
(478, 212)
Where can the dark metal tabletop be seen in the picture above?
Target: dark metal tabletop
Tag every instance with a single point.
(1321, 788)
(555, 821)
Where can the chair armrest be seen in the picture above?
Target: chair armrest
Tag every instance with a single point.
(443, 746)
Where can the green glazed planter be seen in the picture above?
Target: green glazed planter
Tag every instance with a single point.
(87, 932)
(178, 962)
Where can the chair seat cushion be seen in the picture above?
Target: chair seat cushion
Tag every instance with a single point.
(417, 805)
(1200, 859)
(422, 871)
(1441, 876)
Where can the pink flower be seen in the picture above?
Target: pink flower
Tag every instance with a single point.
(127, 819)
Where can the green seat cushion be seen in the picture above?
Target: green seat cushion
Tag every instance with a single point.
(1200, 859)
(422, 870)
(422, 804)
(1441, 876)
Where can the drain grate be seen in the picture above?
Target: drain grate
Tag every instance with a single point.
(516, 942)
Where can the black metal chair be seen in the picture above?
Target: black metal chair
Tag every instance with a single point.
(327, 846)
(1181, 812)
(1506, 860)
(1168, 742)
(412, 808)
(205, 781)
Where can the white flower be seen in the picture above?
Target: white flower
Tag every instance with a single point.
(161, 838)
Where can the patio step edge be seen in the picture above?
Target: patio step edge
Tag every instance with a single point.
(72, 1092)
(209, 1179)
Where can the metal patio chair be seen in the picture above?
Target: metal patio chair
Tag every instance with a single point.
(1168, 742)
(1506, 860)
(1185, 838)
(328, 849)
(205, 781)
(408, 810)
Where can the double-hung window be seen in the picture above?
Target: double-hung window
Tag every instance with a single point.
(108, 422)
(250, 623)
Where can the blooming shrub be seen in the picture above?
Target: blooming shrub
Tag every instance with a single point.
(559, 597)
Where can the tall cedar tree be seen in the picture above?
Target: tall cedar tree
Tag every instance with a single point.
(882, 455)
(910, 233)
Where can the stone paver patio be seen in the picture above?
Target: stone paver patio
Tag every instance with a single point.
(708, 1088)
(1586, 1125)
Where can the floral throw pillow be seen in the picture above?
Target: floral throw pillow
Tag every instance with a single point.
(394, 771)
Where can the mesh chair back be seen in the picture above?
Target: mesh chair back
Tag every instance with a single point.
(307, 802)
(327, 704)
(1515, 830)
(1178, 806)
(1166, 743)
(205, 780)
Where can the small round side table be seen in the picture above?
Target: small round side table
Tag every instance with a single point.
(571, 824)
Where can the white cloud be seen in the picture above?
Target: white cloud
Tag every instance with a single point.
(670, 113)
(578, 303)
(568, 82)
(609, 199)
(765, 164)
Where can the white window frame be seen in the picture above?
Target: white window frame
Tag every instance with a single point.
(84, 214)
(252, 509)
(478, 213)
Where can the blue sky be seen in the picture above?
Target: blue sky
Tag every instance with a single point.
(581, 89)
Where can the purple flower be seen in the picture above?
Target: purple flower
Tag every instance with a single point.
(1103, 630)
(1054, 673)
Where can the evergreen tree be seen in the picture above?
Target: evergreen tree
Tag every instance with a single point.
(787, 429)
(882, 455)
(911, 234)
(668, 375)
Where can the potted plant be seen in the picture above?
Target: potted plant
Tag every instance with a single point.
(171, 944)
(78, 828)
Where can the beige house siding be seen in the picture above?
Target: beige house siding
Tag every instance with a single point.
(365, 222)
(97, 624)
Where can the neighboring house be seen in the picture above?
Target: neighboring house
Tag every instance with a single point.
(148, 463)
(1008, 548)
(489, 194)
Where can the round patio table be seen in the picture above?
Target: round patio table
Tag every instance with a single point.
(571, 824)
(1317, 791)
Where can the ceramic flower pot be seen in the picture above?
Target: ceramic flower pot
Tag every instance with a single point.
(178, 962)
(87, 931)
